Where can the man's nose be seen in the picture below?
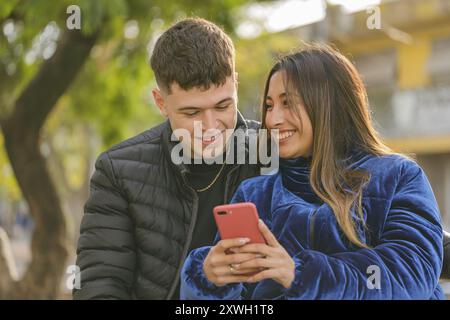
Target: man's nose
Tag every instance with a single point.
(209, 120)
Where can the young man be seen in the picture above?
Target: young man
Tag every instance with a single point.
(146, 212)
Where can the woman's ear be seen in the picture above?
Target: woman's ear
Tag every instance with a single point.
(159, 101)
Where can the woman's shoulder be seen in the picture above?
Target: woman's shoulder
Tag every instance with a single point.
(390, 172)
(388, 164)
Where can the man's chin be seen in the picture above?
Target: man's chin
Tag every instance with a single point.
(212, 155)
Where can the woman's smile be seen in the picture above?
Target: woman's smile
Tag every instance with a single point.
(284, 135)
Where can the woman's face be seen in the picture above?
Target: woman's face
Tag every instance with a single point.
(295, 136)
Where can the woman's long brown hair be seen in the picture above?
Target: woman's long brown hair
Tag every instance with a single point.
(335, 99)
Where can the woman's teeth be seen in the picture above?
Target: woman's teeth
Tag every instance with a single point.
(285, 134)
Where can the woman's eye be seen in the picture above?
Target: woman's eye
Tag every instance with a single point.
(267, 107)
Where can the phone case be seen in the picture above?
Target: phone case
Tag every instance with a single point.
(238, 220)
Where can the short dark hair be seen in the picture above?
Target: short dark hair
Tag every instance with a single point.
(193, 53)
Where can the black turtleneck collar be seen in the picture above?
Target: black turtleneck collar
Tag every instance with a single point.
(295, 176)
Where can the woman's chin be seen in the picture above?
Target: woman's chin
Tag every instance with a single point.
(286, 153)
(290, 154)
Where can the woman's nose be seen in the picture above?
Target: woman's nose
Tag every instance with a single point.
(275, 117)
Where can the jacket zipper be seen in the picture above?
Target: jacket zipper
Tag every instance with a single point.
(188, 239)
(227, 184)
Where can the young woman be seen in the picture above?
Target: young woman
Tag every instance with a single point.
(344, 217)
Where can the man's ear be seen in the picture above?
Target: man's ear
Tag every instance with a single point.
(236, 84)
(159, 101)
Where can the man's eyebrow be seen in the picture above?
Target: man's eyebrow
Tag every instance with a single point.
(188, 108)
(191, 108)
(229, 99)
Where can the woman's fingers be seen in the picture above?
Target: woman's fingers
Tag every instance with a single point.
(247, 272)
(235, 258)
(238, 258)
(258, 248)
(249, 260)
(265, 274)
(226, 244)
(267, 234)
(232, 270)
(257, 264)
(223, 280)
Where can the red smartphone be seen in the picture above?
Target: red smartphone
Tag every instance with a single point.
(238, 220)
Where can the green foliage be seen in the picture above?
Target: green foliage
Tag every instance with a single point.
(6, 8)
(116, 99)
(254, 58)
(9, 188)
(112, 93)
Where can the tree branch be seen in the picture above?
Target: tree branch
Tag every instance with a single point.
(52, 80)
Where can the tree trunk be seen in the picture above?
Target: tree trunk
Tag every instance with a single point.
(21, 130)
(9, 272)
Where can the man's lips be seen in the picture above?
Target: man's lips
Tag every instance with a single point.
(210, 139)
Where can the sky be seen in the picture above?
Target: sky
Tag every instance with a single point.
(284, 14)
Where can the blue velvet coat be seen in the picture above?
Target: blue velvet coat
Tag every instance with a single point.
(404, 234)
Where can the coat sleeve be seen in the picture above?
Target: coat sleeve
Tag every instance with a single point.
(406, 261)
(194, 283)
(106, 248)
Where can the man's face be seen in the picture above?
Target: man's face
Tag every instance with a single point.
(205, 114)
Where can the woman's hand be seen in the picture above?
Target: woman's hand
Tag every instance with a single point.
(219, 265)
(277, 263)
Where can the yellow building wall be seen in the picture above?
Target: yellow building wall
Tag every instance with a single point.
(411, 64)
(412, 57)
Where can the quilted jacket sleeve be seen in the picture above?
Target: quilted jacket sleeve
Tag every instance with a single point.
(106, 249)
(405, 264)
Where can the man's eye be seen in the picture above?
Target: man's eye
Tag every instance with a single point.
(223, 107)
(191, 114)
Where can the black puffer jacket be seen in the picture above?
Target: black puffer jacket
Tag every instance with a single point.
(139, 218)
(446, 264)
